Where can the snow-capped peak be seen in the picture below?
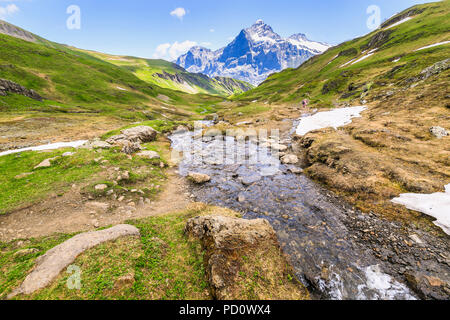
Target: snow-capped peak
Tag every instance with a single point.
(253, 55)
(261, 32)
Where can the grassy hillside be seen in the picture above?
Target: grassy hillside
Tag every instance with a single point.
(74, 81)
(339, 75)
(171, 76)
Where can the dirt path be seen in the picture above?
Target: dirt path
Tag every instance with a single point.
(73, 213)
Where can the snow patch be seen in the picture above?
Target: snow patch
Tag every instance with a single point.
(362, 58)
(433, 45)
(51, 146)
(398, 23)
(436, 205)
(328, 119)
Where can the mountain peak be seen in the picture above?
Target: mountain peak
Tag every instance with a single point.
(260, 31)
(253, 55)
(198, 49)
(299, 36)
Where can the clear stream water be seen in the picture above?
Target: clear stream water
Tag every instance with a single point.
(308, 222)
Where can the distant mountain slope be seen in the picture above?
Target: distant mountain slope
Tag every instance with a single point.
(253, 55)
(171, 76)
(69, 79)
(377, 62)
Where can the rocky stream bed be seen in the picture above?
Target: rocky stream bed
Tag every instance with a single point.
(336, 251)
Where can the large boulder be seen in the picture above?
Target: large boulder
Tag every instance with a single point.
(235, 251)
(130, 139)
(140, 134)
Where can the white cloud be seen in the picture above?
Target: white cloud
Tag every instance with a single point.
(171, 51)
(212, 30)
(206, 44)
(179, 13)
(8, 10)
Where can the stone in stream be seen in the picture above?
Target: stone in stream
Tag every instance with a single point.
(295, 170)
(279, 147)
(181, 129)
(55, 260)
(289, 159)
(199, 178)
(248, 180)
(241, 197)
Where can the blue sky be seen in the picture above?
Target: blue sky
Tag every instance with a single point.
(165, 29)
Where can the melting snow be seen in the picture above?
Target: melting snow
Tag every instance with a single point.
(397, 23)
(317, 46)
(363, 58)
(334, 119)
(51, 146)
(433, 45)
(122, 89)
(436, 205)
(333, 59)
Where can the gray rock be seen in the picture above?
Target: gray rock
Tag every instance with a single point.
(129, 147)
(279, 147)
(45, 164)
(248, 180)
(149, 154)
(101, 187)
(289, 159)
(55, 260)
(199, 178)
(96, 144)
(140, 134)
(436, 68)
(295, 170)
(12, 87)
(181, 129)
